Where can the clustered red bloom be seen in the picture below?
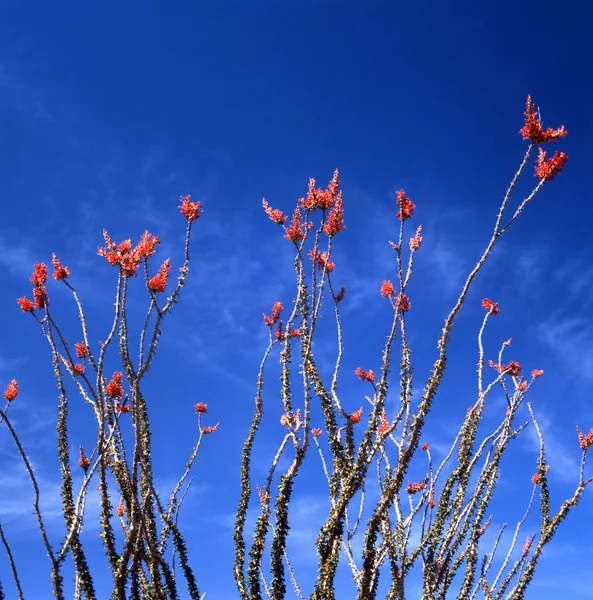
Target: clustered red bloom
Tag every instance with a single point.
(296, 232)
(513, 368)
(316, 432)
(12, 391)
(40, 297)
(527, 545)
(201, 408)
(122, 409)
(585, 440)
(147, 245)
(81, 350)
(158, 283)
(414, 488)
(522, 386)
(426, 447)
(280, 335)
(387, 289)
(406, 206)
(402, 303)
(25, 304)
(431, 502)
(121, 509)
(355, 417)
(322, 261)
(335, 221)
(537, 373)
(416, 241)
(533, 130)
(318, 198)
(275, 215)
(276, 310)
(211, 429)
(545, 170)
(39, 276)
(78, 370)
(121, 255)
(60, 272)
(114, 388)
(83, 461)
(384, 426)
(537, 478)
(365, 375)
(190, 210)
(491, 307)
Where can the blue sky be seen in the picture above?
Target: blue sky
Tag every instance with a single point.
(110, 113)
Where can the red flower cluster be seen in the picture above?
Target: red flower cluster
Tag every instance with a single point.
(275, 215)
(190, 210)
(158, 283)
(201, 408)
(322, 199)
(532, 130)
(60, 272)
(83, 461)
(276, 310)
(81, 350)
(585, 440)
(537, 373)
(491, 307)
(537, 478)
(280, 335)
(335, 221)
(414, 488)
(416, 241)
(426, 447)
(545, 170)
(406, 206)
(365, 375)
(384, 425)
(40, 299)
(322, 261)
(122, 409)
(114, 388)
(25, 304)
(513, 368)
(12, 391)
(402, 303)
(126, 257)
(39, 277)
(121, 509)
(316, 432)
(527, 545)
(355, 417)
(387, 289)
(77, 370)
(211, 429)
(296, 232)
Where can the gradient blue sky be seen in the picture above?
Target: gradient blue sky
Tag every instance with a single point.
(109, 113)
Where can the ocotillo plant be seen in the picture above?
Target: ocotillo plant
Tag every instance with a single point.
(432, 528)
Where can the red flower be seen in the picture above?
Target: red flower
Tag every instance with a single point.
(414, 488)
(122, 409)
(355, 417)
(40, 297)
(387, 289)
(158, 283)
(537, 373)
(585, 440)
(81, 350)
(402, 303)
(208, 430)
(296, 232)
(416, 241)
(533, 130)
(384, 426)
(406, 207)
(513, 368)
(491, 307)
(522, 386)
(26, 305)
(12, 390)
(276, 310)
(201, 408)
(190, 210)
(78, 370)
(316, 432)
(537, 478)
(114, 388)
(275, 215)
(527, 545)
(322, 261)
(60, 272)
(121, 509)
(426, 447)
(83, 461)
(39, 276)
(335, 221)
(122, 255)
(365, 375)
(147, 245)
(545, 170)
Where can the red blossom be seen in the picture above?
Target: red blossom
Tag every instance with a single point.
(201, 408)
(39, 276)
(355, 417)
(121, 509)
(416, 241)
(522, 386)
(122, 409)
(158, 283)
(322, 261)
(406, 206)
(276, 310)
(122, 255)
(81, 350)
(40, 297)
(527, 545)
(114, 388)
(513, 368)
(335, 221)
(545, 170)
(414, 488)
(212, 429)
(60, 272)
(190, 210)
(12, 391)
(402, 303)
(491, 307)
(78, 370)
(426, 447)
(384, 426)
(537, 478)
(83, 461)
(532, 130)
(585, 440)
(316, 432)
(147, 245)
(537, 373)
(25, 304)
(275, 215)
(387, 289)
(431, 502)
(296, 232)
(365, 375)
